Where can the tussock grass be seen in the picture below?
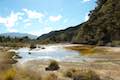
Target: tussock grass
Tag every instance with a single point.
(6, 57)
(20, 74)
(50, 76)
(14, 44)
(77, 74)
(8, 74)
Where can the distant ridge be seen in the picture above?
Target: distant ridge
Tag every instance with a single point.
(18, 35)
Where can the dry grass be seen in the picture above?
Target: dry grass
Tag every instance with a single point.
(50, 76)
(19, 74)
(6, 57)
(77, 74)
(73, 73)
(23, 74)
(8, 74)
(14, 44)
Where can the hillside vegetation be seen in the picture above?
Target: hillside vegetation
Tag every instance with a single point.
(60, 36)
(102, 28)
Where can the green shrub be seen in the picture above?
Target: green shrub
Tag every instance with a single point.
(53, 66)
(32, 46)
(69, 73)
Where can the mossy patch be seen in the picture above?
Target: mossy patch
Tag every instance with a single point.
(86, 50)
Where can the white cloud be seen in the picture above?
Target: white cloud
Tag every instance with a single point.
(55, 18)
(11, 20)
(26, 20)
(2, 20)
(28, 24)
(86, 17)
(33, 14)
(86, 0)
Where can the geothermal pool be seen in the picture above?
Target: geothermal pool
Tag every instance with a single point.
(50, 52)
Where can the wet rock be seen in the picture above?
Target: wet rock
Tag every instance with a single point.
(17, 57)
(29, 52)
(43, 48)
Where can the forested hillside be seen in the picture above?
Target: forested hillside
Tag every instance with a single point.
(15, 42)
(60, 36)
(102, 28)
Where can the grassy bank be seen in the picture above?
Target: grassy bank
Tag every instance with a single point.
(28, 73)
(6, 59)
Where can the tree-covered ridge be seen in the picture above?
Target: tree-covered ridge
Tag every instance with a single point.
(103, 27)
(15, 42)
(60, 36)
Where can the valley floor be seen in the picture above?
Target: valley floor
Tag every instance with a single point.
(106, 65)
(107, 70)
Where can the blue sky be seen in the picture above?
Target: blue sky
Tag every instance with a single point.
(42, 16)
